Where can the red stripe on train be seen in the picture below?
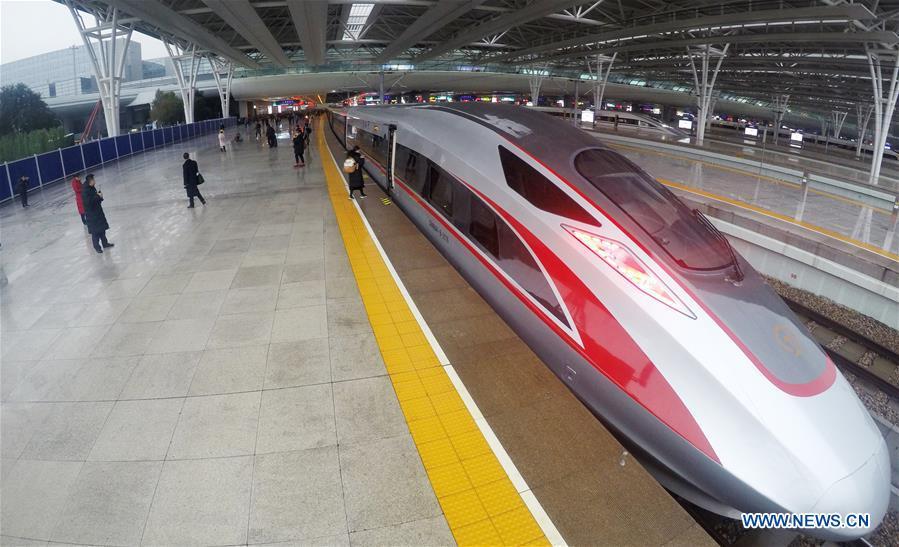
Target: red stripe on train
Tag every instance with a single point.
(615, 349)
(807, 389)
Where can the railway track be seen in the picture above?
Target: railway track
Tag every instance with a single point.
(875, 364)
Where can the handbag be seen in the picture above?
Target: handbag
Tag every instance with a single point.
(349, 165)
(200, 179)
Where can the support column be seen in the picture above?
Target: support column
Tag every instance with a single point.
(862, 119)
(535, 81)
(575, 116)
(223, 72)
(600, 79)
(185, 57)
(838, 117)
(713, 101)
(107, 55)
(884, 67)
(704, 83)
(381, 87)
(780, 108)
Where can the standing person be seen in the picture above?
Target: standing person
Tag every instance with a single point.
(356, 180)
(222, 139)
(22, 189)
(272, 137)
(307, 130)
(77, 187)
(258, 130)
(299, 146)
(93, 211)
(191, 180)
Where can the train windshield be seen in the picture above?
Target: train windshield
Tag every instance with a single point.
(689, 241)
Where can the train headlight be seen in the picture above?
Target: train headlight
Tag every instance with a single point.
(626, 263)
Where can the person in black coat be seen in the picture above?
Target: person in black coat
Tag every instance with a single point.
(271, 136)
(192, 180)
(22, 189)
(299, 147)
(356, 180)
(93, 212)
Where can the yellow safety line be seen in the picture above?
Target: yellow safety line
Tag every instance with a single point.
(785, 218)
(479, 501)
(744, 172)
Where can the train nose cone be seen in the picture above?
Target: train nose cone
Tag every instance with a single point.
(865, 491)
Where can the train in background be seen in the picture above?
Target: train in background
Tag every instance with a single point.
(645, 122)
(606, 119)
(637, 303)
(849, 145)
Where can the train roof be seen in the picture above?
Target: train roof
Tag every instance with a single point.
(540, 134)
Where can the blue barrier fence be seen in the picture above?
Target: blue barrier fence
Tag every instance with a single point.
(51, 167)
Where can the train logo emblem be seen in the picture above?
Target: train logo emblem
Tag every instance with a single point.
(786, 340)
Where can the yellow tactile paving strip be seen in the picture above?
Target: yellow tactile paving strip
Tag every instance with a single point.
(479, 501)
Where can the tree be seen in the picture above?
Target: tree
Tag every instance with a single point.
(167, 108)
(207, 107)
(22, 110)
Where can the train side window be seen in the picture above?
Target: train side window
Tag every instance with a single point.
(482, 227)
(399, 160)
(540, 191)
(410, 167)
(440, 189)
(378, 149)
(517, 262)
(462, 199)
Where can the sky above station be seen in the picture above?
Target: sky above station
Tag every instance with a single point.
(33, 27)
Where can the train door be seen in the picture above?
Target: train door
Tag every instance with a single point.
(391, 155)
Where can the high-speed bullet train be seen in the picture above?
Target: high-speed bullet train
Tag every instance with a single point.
(637, 303)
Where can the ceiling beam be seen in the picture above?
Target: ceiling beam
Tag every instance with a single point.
(168, 20)
(243, 18)
(437, 16)
(310, 19)
(820, 13)
(532, 11)
(855, 38)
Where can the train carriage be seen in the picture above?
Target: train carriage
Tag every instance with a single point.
(637, 303)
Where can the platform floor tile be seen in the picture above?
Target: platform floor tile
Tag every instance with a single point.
(480, 504)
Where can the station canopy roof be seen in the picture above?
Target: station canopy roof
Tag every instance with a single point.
(814, 50)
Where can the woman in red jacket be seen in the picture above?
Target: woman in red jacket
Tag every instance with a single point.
(77, 187)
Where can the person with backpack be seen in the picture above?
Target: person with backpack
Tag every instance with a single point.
(93, 211)
(77, 187)
(192, 180)
(299, 147)
(353, 167)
